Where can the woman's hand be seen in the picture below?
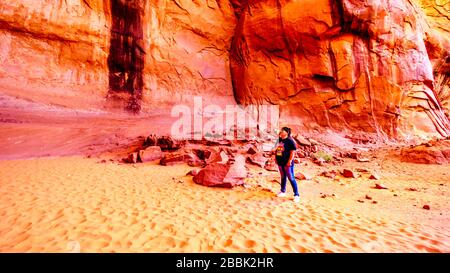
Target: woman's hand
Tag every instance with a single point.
(291, 158)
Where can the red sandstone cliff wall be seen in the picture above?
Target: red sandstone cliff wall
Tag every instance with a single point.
(346, 65)
(59, 51)
(438, 45)
(349, 65)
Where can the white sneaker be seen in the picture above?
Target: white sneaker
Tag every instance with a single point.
(281, 194)
(296, 199)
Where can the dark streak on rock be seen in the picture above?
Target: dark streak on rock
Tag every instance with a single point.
(126, 53)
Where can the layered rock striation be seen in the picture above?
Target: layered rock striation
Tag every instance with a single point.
(374, 67)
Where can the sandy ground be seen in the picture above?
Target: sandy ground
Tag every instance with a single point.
(72, 204)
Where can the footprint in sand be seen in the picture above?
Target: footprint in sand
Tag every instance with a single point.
(73, 247)
(228, 243)
(250, 243)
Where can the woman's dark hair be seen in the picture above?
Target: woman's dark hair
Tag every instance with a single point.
(287, 130)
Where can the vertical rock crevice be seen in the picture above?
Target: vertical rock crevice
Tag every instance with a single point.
(126, 54)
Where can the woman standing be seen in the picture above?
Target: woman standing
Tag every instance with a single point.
(284, 154)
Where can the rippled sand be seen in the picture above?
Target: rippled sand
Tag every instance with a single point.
(72, 204)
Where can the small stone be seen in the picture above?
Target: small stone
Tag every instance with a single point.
(302, 176)
(368, 197)
(361, 201)
(325, 195)
(363, 159)
(374, 176)
(380, 187)
(427, 207)
(330, 174)
(412, 189)
(374, 202)
(252, 150)
(348, 173)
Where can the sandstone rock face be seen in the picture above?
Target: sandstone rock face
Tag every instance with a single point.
(113, 53)
(438, 47)
(349, 64)
(378, 67)
(54, 51)
(432, 153)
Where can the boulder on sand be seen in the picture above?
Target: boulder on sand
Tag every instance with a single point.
(164, 142)
(150, 154)
(349, 173)
(257, 159)
(168, 143)
(151, 140)
(215, 156)
(177, 158)
(223, 175)
(271, 165)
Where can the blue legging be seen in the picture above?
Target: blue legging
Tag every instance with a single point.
(288, 172)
